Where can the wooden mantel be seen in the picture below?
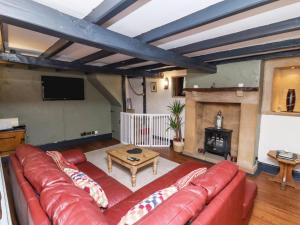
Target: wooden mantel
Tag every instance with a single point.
(241, 115)
(222, 89)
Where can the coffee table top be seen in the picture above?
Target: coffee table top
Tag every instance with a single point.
(120, 152)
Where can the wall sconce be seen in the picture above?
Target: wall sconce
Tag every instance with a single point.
(166, 83)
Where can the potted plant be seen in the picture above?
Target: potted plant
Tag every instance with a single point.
(176, 108)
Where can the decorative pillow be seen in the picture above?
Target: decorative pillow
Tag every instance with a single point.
(80, 179)
(86, 183)
(147, 205)
(187, 179)
(60, 161)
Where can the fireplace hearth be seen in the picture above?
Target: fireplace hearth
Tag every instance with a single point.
(217, 141)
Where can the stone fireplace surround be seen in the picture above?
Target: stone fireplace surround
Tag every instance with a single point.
(240, 109)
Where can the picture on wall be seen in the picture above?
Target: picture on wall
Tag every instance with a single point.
(153, 87)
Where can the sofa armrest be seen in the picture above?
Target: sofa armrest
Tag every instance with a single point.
(74, 156)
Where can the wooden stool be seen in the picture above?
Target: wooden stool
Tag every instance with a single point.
(285, 175)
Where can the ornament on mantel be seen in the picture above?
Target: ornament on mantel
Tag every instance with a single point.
(219, 120)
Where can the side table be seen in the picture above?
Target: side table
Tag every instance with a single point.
(285, 175)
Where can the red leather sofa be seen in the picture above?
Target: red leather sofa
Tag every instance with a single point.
(43, 195)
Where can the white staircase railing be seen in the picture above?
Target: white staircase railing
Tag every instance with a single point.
(149, 130)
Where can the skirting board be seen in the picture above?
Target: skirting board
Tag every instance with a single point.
(271, 169)
(74, 142)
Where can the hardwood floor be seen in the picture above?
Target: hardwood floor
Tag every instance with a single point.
(272, 205)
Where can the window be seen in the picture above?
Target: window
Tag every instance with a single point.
(178, 84)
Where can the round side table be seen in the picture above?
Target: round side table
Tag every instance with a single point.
(285, 175)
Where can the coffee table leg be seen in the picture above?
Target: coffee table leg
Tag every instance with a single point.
(155, 162)
(133, 171)
(109, 163)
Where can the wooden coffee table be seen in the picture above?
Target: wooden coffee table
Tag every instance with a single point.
(285, 175)
(119, 155)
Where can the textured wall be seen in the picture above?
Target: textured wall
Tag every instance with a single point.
(50, 121)
(228, 75)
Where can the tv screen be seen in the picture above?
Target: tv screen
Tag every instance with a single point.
(62, 88)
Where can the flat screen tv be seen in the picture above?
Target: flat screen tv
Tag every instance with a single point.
(62, 88)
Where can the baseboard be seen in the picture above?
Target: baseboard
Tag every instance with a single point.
(268, 168)
(74, 142)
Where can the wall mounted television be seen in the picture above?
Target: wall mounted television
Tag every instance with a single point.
(62, 88)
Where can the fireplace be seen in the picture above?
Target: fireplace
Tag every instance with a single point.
(218, 141)
(239, 107)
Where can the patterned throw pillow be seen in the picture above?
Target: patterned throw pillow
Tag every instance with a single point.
(86, 183)
(80, 179)
(147, 205)
(187, 179)
(60, 161)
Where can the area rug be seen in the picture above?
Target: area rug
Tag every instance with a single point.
(122, 174)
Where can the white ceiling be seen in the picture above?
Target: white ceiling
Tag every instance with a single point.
(154, 13)
(75, 8)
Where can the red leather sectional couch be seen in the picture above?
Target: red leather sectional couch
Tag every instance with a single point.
(43, 195)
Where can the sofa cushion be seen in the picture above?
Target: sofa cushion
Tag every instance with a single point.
(91, 170)
(74, 156)
(24, 150)
(41, 171)
(66, 204)
(216, 178)
(178, 209)
(115, 191)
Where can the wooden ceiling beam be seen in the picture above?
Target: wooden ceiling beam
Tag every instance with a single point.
(15, 12)
(61, 65)
(210, 14)
(246, 35)
(256, 49)
(101, 14)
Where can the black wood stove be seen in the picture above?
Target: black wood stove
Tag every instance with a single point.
(218, 141)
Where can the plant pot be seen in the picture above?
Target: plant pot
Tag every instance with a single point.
(178, 146)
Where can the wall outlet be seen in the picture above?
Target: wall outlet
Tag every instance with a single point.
(87, 133)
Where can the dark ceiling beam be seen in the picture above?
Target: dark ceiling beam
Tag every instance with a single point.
(90, 58)
(256, 49)
(207, 15)
(250, 34)
(107, 10)
(210, 14)
(265, 56)
(4, 37)
(61, 65)
(238, 53)
(125, 63)
(15, 12)
(101, 14)
(57, 47)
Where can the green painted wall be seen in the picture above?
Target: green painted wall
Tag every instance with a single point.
(50, 121)
(228, 75)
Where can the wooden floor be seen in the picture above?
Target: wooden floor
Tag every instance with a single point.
(272, 205)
